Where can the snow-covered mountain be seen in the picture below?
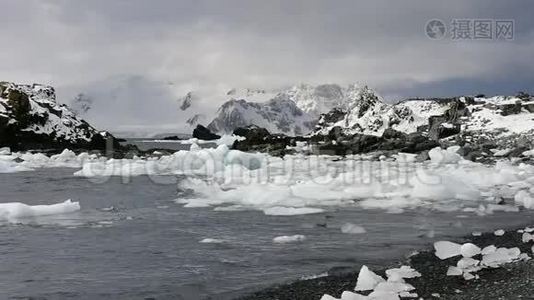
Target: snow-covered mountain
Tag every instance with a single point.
(369, 115)
(277, 115)
(30, 117)
(291, 111)
(359, 109)
(320, 99)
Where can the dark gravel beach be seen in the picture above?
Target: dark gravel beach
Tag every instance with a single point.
(511, 281)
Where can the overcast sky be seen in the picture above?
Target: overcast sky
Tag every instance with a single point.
(137, 57)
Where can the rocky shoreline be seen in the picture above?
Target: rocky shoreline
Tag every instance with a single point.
(510, 281)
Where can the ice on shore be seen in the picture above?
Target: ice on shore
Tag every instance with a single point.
(15, 210)
(367, 280)
(524, 198)
(499, 232)
(284, 239)
(454, 271)
(446, 249)
(398, 274)
(500, 256)
(469, 250)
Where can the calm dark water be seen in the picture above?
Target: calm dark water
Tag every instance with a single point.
(148, 246)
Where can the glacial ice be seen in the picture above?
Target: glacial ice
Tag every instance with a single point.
(297, 184)
(11, 162)
(15, 210)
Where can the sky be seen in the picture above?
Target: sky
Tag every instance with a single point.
(137, 58)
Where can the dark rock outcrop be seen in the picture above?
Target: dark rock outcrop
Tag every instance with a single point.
(510, 109)
(30, 118)
(203, 133)
(258, 139)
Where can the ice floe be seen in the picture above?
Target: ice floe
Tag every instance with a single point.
(352, 228)
(211, 241)
(291, 211)
(394, 184)
(300, 184)
(11, 162)
(284, 239)
(15, 210)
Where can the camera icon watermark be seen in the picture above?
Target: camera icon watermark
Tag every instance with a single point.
(471, 29)
(435, 29)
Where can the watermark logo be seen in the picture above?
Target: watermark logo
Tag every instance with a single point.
(471, 29)
(435, 29)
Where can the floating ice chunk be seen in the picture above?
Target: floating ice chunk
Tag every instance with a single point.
(5, 151)
(477, 233)
(454, 271)
(528, 153)
(499, 232)
(398, 274)
(446, 249)
(367, 280)
(8, 166)
(291, 211)
(352, 229)
(469, 250)
(211, 241)
(524, 198)
(16, 210)
(284, 239)
(448, 156)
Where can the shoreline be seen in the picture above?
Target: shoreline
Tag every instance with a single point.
(510, 281)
